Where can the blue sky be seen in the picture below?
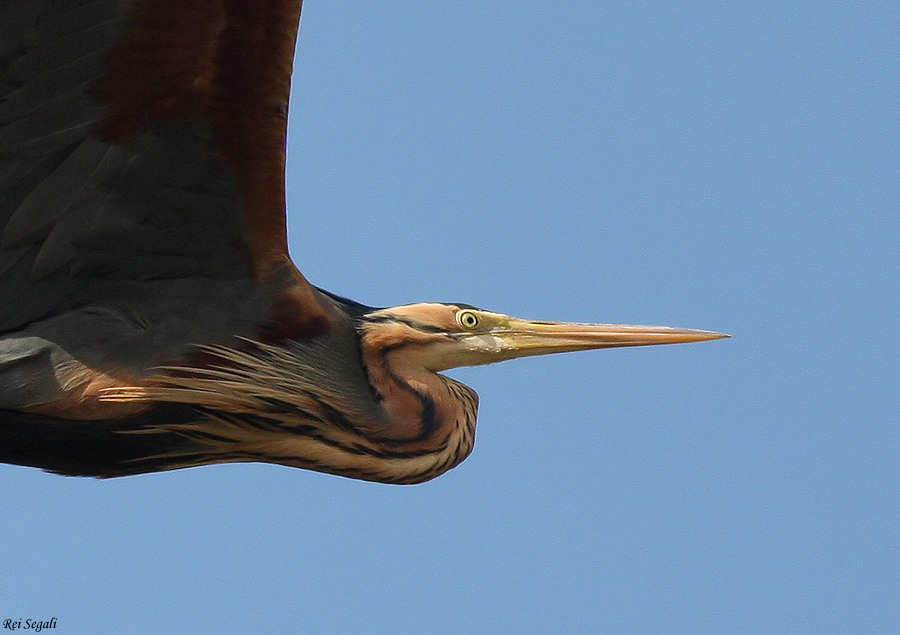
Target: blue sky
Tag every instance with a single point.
(719, 167)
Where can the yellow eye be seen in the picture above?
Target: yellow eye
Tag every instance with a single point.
(467, 319)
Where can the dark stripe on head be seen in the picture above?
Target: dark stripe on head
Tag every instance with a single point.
(387, 319)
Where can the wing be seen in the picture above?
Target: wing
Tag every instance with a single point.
(140, 140)
(142, 210)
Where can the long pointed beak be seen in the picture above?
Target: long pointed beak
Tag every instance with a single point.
(523, 338)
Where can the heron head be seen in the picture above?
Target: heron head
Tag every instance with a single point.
(440, 336)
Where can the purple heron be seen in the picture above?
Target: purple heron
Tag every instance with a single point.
(151, 316)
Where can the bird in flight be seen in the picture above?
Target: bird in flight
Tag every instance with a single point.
(152, 318)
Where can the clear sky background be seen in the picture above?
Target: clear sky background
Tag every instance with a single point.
(716, 166)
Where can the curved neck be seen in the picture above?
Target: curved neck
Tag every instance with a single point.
(430, 418)
(420, 405)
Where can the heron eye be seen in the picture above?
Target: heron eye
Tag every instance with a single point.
(467, 319)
